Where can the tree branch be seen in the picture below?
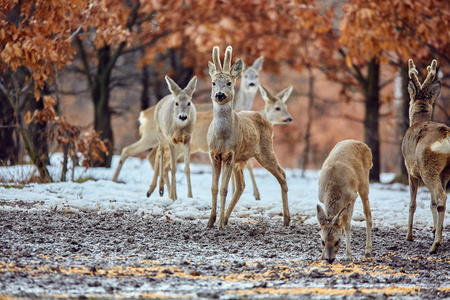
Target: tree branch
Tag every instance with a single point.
(85, 63)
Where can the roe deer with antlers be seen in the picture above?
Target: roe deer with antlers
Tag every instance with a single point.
(274, 110)
(174, 119)
(247, 90)
(233, 138)
(426, 150)
(344, 175)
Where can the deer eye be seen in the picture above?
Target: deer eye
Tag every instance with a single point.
(323, 243)
(189, 104)
(229, 83)
(336, 244)
(277, 108)
(176, 103)
(214, 83)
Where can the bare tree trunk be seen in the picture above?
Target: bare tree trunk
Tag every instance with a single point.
(9, 150)
(403, 123)
(311, 79)
(371, 130)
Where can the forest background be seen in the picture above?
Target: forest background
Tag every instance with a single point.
(74, 75)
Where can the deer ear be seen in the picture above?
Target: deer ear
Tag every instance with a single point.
(264, 93)
(412, 89)
(212, 68)
(435, 89)
(321, 216)
(192, 85)
(237, 68)
(341, 217)
(284, 94)
(257, 64)
(173, 87)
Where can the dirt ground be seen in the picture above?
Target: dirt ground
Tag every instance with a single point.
(51, 254)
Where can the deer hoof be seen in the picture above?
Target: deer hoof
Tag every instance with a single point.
(161, 193)
(148, 194)
(434, 248)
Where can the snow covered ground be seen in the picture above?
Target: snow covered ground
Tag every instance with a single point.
(389, 202)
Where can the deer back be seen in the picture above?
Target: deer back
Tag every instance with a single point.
(345, 170)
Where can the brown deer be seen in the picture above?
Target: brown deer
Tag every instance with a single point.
(344, 175)
(233, 138)
(174, 118)
(247, 89)
(426, 150)
(274, 110)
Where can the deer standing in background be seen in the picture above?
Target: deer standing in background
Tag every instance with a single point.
(426, 150)
(174, 118)
(344, 175)
(234, 137)
(274, 110)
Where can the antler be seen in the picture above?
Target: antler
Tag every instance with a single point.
(431, 74)
(413, 74)
(227, 61)
(216, 59)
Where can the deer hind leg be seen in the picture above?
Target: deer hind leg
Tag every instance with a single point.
(269, 161)
(228, 164)
(438, 200)
(238, 175)
(216, 168)
(133, 149)
(252, 176)
(413, 185)
(364, 194)
(153, 158)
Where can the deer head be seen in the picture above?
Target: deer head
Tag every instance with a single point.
(223, 79)
(331, 232)
(182, 99)
(250, 75)
(422, 95)
(276, 109)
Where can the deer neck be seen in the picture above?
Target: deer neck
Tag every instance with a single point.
(244, 99)
(419, 112)
(223, 119)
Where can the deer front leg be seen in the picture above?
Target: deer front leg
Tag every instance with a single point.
(161, 170)
(413, 185)
(173, 165)
(348, 233)
(367, 212)
(187, 170)
(252, 176)
(228, 164)
(216, 168)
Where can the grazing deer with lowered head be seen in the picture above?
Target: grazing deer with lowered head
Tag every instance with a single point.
(234, 137)
(274, 110)
(426, 150)
(174, 118)
(344, 175)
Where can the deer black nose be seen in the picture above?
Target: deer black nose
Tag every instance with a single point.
(182, 117)
(288, 120)
(221, 96)
(330, 260)
(252, 84)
